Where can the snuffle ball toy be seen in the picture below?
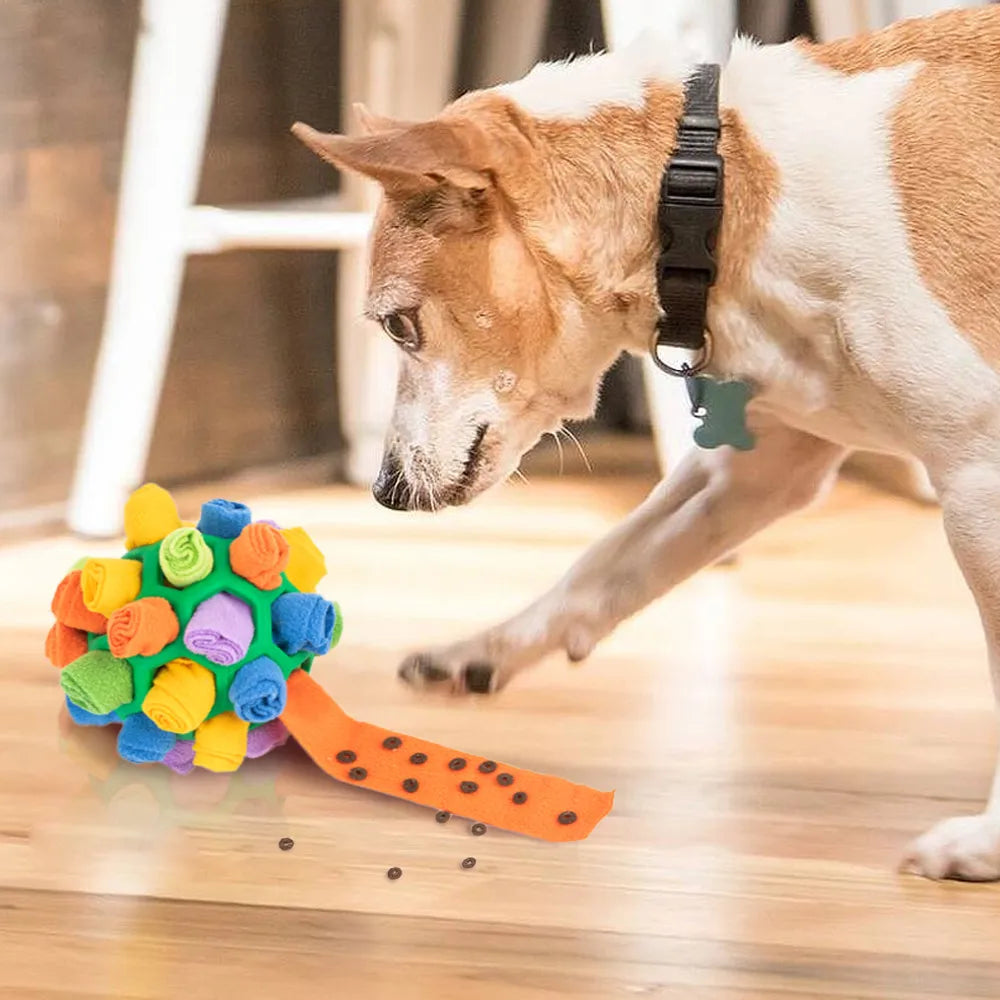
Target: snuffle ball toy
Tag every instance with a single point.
(198, 643)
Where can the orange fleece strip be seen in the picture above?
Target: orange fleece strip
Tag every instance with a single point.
(142, 628)
(260, 555)
(64, 644)
(382, 761)
(68, 606)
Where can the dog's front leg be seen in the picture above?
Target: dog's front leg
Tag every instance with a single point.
(714, 502)
(968, 847)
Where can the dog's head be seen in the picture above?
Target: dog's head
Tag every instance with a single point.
(490, 327)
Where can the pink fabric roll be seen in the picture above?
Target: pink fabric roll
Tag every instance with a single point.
(180, 757)
(266, 738)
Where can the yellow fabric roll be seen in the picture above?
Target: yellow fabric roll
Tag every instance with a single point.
(150, 515)
(110, 584)
(306, 565)
(181, 697)
(220, 743)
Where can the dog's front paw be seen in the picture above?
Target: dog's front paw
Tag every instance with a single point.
(965, 847)
(451, 673)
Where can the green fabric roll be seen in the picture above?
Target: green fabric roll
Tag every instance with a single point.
(185, 557)
(98, 682)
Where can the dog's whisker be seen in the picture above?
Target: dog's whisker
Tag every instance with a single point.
(427, 484)
(579, 448)
(555, 437)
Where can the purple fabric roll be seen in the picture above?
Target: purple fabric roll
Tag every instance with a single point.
(180, 757)
(266, 738)
(221, 630)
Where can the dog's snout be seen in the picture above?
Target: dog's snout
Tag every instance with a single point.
(390, 487)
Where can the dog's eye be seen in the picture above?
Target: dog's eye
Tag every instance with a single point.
(402, 328)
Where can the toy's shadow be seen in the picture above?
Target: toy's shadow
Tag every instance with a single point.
(153, 795)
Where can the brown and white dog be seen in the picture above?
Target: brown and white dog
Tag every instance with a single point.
(513, 259)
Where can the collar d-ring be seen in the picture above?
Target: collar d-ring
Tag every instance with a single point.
(698, 363)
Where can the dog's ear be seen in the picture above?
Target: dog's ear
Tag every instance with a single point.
(411, 160)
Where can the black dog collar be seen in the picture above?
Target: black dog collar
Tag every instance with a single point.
(689, 216)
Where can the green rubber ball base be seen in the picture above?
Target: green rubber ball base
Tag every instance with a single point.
(184, 601)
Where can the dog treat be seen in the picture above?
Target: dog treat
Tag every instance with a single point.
(286, 843)
(468, 862)
(394, 873)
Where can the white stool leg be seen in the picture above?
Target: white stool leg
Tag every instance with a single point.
(398, 57)
(703, 30)
(510, 40)
(903, 9)
(840, 18)
(173, 81)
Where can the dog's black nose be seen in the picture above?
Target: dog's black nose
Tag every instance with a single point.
(391, 488)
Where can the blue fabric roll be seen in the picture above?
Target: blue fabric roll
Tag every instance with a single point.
(223, 518)
(84, 718)
(258, 691)
(303, 622)
(142, 741)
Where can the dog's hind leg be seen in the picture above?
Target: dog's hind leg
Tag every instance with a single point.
(968, 847)
(713, 502)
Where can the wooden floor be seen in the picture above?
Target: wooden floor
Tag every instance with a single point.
(776, 732)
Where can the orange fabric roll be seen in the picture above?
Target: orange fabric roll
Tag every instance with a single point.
(142, 628)
(69, 609)
(538, 805)
(260, 555)
(64, 644)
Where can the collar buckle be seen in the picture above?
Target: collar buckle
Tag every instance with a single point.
(688, 236)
